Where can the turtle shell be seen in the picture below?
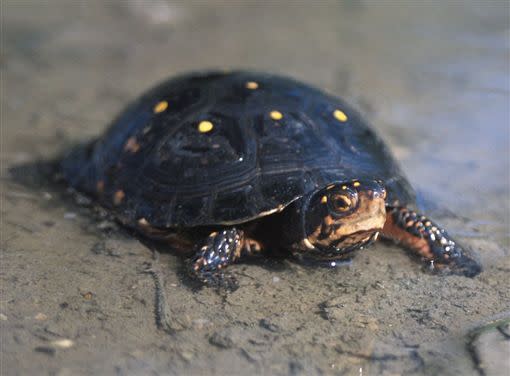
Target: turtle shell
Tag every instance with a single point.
(226, 148)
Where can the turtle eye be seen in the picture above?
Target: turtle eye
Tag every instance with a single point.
(341, 203)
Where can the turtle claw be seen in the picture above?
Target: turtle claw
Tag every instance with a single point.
(427, 239)
(463, 266)
(221, 249)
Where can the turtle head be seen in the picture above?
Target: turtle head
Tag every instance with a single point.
(340, 218)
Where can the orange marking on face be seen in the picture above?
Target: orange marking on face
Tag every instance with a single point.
(252, 85)
(328, 220)
(132, 145)
(369, 216)
(118, 197)
(356, 184)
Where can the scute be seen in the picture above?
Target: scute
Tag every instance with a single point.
(244, 164)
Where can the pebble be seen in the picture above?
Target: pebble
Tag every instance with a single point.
(69, 215)
(266, 324)
(87, 295)
(63, 343)
(201, 323)
(3, 317)
(186, 355)
(490, 347)
(41, 316)
(106, 225)
(221, 340)
(82, 200)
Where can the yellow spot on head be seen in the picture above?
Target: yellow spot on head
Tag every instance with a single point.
(276, 115)
(340, 115)
(205, 126)
(252, 85)
(356, 184)
(324, 199)
(160, 107)
(344, 187)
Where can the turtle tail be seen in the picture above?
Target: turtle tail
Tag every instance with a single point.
(78, 169)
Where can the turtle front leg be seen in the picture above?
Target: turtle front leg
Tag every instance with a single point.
(426, 239)
(221, 249)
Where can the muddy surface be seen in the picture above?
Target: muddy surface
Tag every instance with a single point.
(78, 292)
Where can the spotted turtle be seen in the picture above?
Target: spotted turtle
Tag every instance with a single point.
(229, 165)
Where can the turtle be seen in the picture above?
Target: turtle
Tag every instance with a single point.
(228, 165)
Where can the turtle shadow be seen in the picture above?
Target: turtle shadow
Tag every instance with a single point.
(271, 261)
(35, 175)
(45, 177)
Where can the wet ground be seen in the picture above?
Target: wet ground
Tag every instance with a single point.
(78, 292)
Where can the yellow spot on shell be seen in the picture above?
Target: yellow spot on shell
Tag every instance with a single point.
(160, 107)
(340, 115)
(205, 126)
(276, 115)
(118, 197)
(324, 199)
(356, 184)
(252, 85)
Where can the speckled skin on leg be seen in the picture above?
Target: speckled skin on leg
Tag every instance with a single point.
(429, 241)
(221, 249)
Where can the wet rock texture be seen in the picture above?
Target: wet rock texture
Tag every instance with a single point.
(490, 347)
(81, 295)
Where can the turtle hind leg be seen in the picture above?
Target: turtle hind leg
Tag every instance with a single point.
(221, 249)
(429, 241)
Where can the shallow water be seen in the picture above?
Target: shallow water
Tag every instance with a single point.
(434, 80)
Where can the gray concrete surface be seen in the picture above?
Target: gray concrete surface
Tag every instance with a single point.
(75, 295)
